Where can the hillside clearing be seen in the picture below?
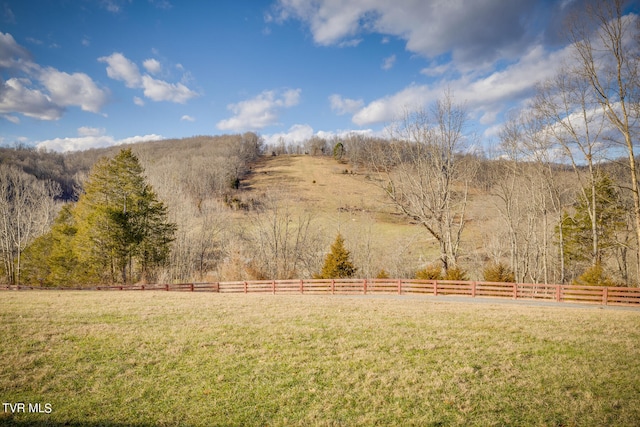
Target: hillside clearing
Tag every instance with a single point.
(344, 200)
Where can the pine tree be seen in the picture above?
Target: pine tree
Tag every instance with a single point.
(337, 264)
(117, 232)
(577, 229)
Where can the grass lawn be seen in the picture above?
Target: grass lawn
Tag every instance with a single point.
(167, 358)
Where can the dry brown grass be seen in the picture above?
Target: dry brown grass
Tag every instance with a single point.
(347, 202)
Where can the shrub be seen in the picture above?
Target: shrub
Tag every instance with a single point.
(382, 274)
(431, 272)
(456, 273)
(594, 276)
(498, 272)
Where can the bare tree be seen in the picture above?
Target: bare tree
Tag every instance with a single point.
(26, 211)
(571, 117)
(427, 178)
(530, 192)
(607, 55)
(285, 240)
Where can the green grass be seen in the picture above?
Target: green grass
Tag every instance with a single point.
(156, 358)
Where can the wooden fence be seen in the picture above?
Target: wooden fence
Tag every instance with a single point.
(559, 293)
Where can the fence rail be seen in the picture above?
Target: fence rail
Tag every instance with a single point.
(559, 293)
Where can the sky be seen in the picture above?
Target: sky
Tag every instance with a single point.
(79, 74)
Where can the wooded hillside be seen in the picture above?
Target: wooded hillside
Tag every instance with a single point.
(242, 213)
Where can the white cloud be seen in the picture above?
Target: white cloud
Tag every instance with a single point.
(300, 133)
(296, 134)
(138, 101)
(388, 62)
(389, 107)
(13, 119)
(12, 55)
(159, 90)
(475, 32)
(43, 93)
(187, 118)
(260, 111)
(121, 68)
(484, 96)
(152, 66)
(73, 89)
(16, 96)
(91, 138)
(345, 105)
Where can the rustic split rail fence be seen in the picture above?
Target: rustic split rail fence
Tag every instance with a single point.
(559, 293)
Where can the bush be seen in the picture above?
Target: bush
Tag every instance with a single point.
(498, 272)
(594, 276)
(382, 274)
(456, 273)
(431, 272)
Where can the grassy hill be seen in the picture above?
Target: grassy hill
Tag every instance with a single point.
(348, 201)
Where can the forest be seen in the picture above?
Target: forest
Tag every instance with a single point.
(554, 199)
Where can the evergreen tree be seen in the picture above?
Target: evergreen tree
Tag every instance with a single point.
(337, 264)
(577, 229)
(50, 259)
(117, 231)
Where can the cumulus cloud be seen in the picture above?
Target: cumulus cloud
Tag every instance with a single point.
(121, 68)
(159, 90)
(43, 93)
(345, 105)
(17, 96)
(13, 56)
(260, 111)
(474, 32)
(485, 96)
(89, 137)
(152, 66)
(73, 89)
(187, 118)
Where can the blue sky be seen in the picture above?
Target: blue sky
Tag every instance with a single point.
(88, 73)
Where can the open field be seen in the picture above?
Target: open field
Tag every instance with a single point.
(154, 358)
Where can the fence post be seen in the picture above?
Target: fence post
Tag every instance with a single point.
(301, 286)
(364, 286)
(435, 288)
(399, 286)
(166, 287)
(333, 286)
(558, 292)
(191, 287)
(605, 296)
(273, 284)
(515, 291)
(473, 289)
(245, 287)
